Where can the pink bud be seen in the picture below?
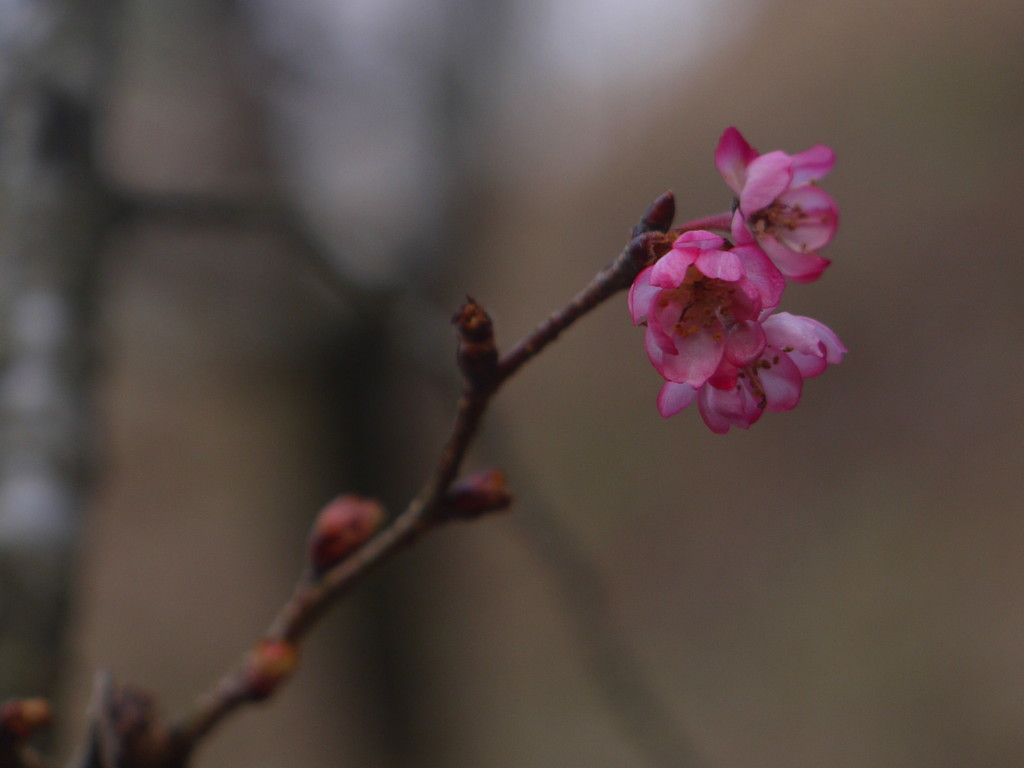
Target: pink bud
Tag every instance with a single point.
(342, 527)
(268, 664)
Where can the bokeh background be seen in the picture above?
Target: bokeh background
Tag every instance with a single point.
(323, 181)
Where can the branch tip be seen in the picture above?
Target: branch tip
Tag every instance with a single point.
(478, 354)
(659, 215)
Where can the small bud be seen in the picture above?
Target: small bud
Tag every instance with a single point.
(20, 718)
(478, 355)
(659, 215)
(268, 664)
(341, 528)
(478, 494)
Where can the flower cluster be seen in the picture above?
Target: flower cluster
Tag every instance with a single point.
(709, 303)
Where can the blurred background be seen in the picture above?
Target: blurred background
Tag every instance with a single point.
(233, 234)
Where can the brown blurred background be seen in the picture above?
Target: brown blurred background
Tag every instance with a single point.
(843, 585)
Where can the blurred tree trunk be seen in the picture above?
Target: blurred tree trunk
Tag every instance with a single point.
(429, 96)
(54, 214)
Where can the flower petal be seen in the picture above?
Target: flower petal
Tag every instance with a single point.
(782, 383)
(741, 235)
(798, 267)
(816, 221)
(725, 376)
(700, 239)
(768, 176)
(641, 293)
(674, 397)
(696, 358)
(763, 273)
(811, 345)
(670, 270)
(659, 337)
(724, 265)
(732, 157)
(745, 343)
(812, 164)
(656, 351)
(724, 408)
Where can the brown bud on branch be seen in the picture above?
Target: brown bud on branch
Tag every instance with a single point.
(340, 529)
(658, 217)
(477, 495)
(478, 354)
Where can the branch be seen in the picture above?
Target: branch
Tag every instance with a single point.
(274, 657)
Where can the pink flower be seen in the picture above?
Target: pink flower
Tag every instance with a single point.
(779, 202)
(796, 348)
(702, 305)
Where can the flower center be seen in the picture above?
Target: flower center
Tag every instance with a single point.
(775, 217)
(706, 302)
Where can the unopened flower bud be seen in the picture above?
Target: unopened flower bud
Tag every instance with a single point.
(659, 215)
(342, 527)
(478, 494)
(268, 664)
(478, 355)
(20, 718)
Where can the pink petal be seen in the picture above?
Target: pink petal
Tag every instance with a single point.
(697, 356)
(674, 397)
(724, 408)
(656, 352)
(798, 267)
(782, 383)
(700, 239)
(809, 365)
(725, 376)
(763, 273)
(817, 222)
(664, 313)
(741, 235)
(732, 157)
(814, 345)
(804, 334)
(834, 348)
(641, 293)
(659, 337)
(767, 177)
(724, 265)
(670, 270)
(812, 164)
(746, 301)
(745, 343)
(793, 331)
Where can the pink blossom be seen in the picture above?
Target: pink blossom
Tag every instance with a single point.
(796, 348)
(779, 202)
(702, 303)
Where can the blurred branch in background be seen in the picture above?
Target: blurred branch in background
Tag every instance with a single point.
(54, 214)
(646, 720)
